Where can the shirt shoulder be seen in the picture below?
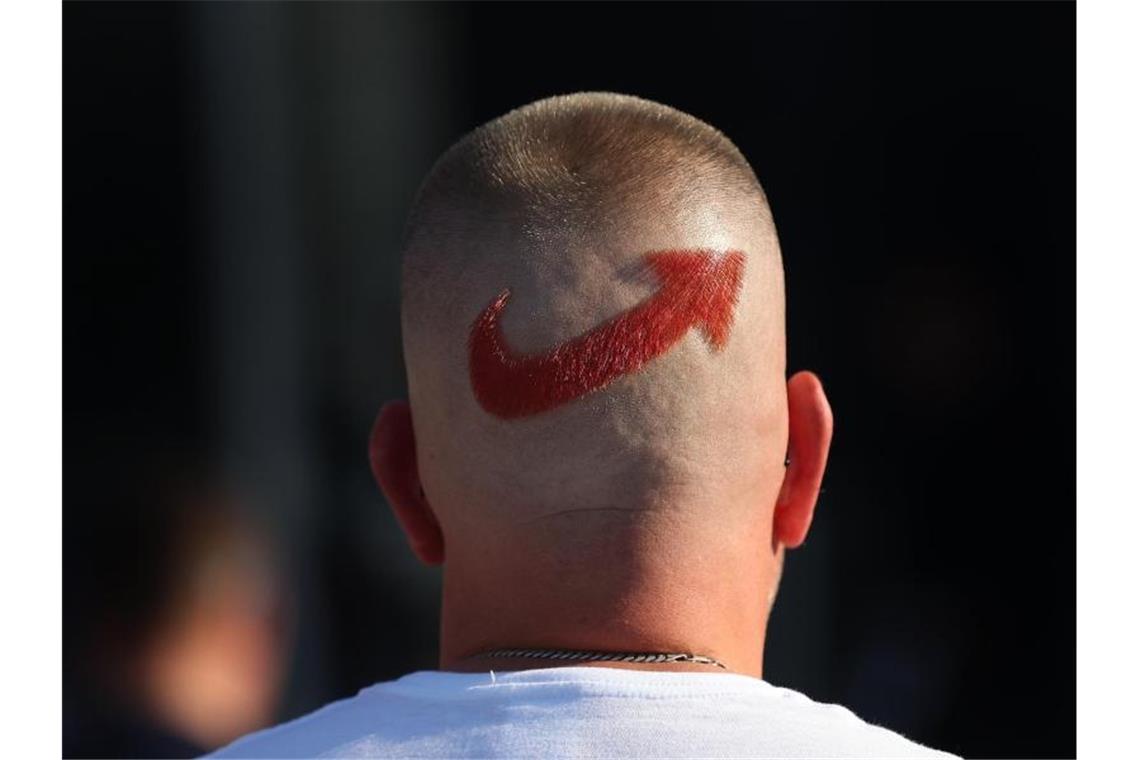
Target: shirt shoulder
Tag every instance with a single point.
(307, 736)
(834, 729)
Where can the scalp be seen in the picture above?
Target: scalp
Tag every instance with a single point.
(560, 203)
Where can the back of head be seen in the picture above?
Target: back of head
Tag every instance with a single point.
(593, 323)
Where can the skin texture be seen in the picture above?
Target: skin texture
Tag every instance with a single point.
(646, 509)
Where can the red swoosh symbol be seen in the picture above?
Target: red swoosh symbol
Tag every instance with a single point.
(698, 288)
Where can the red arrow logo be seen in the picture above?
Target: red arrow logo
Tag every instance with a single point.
(698, 288)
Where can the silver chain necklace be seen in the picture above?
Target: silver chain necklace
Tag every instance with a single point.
(575, 654)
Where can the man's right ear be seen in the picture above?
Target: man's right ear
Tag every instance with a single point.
(392, 453)
(809, 440)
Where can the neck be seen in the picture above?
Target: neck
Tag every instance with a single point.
(666, 588)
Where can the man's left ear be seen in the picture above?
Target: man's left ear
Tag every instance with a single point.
(392, 453)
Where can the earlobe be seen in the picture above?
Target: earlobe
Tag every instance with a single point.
(809, 440)
(392, 454)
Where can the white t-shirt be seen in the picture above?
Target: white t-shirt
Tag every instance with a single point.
(577, 712)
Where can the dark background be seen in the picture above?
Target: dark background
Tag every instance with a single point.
(235, 182)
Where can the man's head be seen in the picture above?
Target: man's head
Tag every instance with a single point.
(593, 320)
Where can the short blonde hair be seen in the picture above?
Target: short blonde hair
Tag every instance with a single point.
(572, 161)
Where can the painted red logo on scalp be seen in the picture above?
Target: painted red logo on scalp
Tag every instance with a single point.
(698, 288)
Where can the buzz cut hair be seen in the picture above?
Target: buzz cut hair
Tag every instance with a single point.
(573, 162)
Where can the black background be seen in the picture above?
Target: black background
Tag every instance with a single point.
(235, 179)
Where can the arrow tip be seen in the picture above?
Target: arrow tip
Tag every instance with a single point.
(706, 283)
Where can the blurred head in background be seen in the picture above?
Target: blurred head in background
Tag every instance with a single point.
(593, 316)
(176, 614)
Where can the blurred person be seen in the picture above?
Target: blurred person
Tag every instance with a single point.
(601, 448)
(176, 637)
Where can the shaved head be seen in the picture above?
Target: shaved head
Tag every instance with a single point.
(594, 444)
(566, 209)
